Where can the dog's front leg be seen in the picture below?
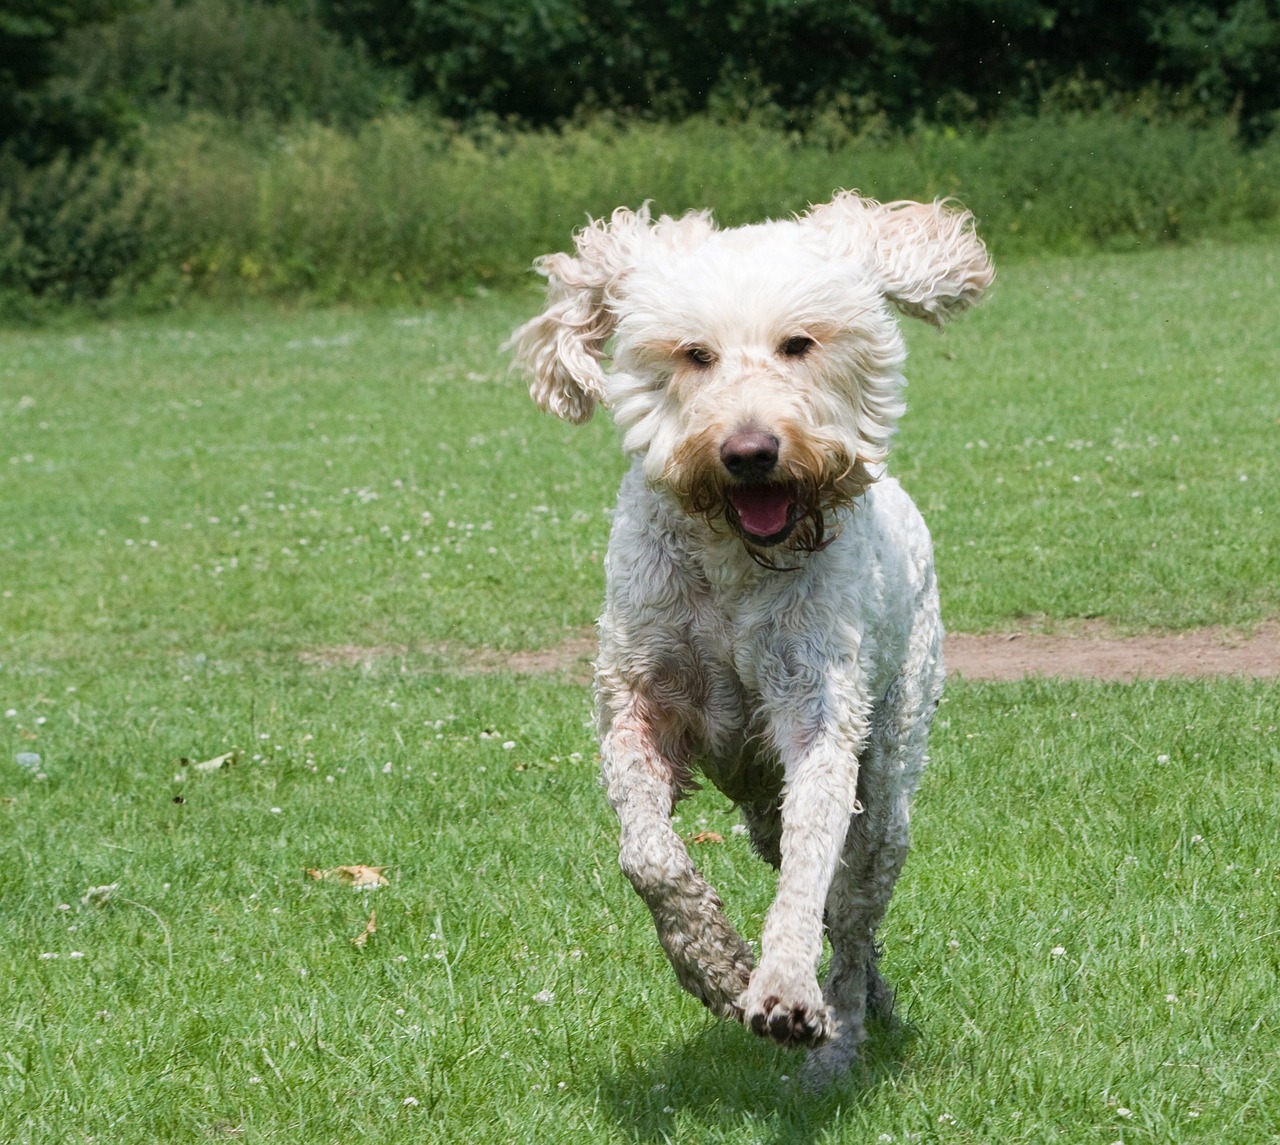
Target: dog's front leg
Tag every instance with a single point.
(784, 1001)
(710, 959)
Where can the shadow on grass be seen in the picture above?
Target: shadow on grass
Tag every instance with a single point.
(725, 1081)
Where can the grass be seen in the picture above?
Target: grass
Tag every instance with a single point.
(199, 514)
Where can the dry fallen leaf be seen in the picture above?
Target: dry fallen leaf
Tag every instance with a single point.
(358, 877)
(98, 896)
(370, 927)
(705, 837)
(215, 764)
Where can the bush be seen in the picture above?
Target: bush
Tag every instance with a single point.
(235, 59)
(35, 122)
(409, 205)
(545, 60)
(73, 229)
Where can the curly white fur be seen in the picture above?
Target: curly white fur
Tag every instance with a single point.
(771, 617)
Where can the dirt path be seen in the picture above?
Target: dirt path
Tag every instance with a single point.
(1198, 653)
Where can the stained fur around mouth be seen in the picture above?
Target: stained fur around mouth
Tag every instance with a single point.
(809, 528)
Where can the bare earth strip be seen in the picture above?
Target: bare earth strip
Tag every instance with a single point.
(1196, 654)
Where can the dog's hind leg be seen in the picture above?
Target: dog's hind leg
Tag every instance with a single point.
(764, 828)
(872, 860)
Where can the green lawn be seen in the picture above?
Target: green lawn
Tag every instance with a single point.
(203, 517)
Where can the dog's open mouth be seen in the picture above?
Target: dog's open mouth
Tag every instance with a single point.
(766, 514)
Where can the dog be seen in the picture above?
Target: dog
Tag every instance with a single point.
(771, 617)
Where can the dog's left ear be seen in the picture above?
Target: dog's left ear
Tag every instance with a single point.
(562, 348)
(927, 257)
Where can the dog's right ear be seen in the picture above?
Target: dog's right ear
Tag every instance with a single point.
(562, 347)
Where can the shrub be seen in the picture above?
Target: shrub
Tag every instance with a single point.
(545, 60)
(73, 229)
(409, 205)
(233, 58)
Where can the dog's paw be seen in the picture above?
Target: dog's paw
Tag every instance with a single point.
(786, 1013)
(827, 1065)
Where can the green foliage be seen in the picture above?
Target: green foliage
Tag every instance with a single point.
(72, 229)
(936, 60)
(1224, 55)
(408, 206)
(36, 122)
(234, 59)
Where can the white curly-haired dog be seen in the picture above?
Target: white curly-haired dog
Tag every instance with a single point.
(771, 615)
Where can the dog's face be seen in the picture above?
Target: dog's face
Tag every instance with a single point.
(756, 371)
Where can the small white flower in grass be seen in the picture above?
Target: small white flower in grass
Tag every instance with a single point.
(76, 954)
(277, 811)
(255, 1080)
(386, 768)
(1171, 997)
(64, 906)
(508, 745)
(544, 996)
(400, 1012)
(1197, 839)
(1121, 1111)
(1162, 758)
(48, 956)
(668, 1109)
(946, 1119)
(1058, 951)
(411, 1101)
(12, 713)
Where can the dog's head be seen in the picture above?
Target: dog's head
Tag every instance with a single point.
(757, 371)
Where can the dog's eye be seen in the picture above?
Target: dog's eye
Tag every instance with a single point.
(797, 347)
(699, 356)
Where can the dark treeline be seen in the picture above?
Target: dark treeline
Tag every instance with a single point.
(75, 71)
(940, 59)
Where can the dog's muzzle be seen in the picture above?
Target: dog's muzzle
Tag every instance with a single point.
(765, 511)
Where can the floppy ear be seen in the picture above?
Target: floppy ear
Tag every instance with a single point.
(929, 261)
(563, 346)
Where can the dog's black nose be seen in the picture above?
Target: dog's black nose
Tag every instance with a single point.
(751, 454)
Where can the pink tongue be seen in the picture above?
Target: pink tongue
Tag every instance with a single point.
(762, 509)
